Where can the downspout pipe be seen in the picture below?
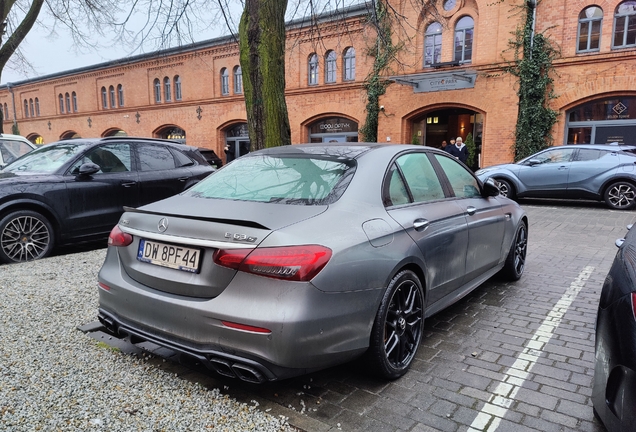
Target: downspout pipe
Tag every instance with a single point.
(15, 114)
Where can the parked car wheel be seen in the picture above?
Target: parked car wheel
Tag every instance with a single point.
(25, 235)
(506, 189)
(398, 326)
(621, 195)
(516, 260)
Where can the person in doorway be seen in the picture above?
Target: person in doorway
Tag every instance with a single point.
(459, 150)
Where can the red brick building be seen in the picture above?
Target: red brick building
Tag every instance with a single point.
(448, 81)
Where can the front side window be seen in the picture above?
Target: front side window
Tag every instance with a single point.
(167, 93)
(157, 85)
(177, 88)
(590, 21)
(238, 80)
(61, 100)
(74, 95)
(11, 150)
(349, 64)
(463, 183)
(26, 108)
(313, 69)
(120, 95)
(111, 158)
(558, 155)
(433, 44)
(285, 179)
(225, 81)
(464, 40)
(625, 25)
(330, 67)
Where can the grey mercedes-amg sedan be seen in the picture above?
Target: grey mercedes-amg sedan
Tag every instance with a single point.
(297, 258)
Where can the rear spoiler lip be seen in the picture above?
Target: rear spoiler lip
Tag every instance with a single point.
(239, 222)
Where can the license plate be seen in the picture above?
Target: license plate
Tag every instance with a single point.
(166, 255)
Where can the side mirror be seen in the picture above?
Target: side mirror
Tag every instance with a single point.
(491, 188)
(88, 169)
(533, 162)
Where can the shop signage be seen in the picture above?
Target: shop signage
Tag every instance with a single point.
(334, 125)
(438, 81)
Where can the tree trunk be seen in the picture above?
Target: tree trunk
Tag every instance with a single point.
(262, 50)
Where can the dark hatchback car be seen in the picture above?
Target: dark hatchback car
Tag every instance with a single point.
(604, 172)
(614, 390)
(74, 191)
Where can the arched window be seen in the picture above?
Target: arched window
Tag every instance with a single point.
(157, 85)
(67, 97)
(6, 112)
(238, 80)
(37, 107)
(625, 25)
(111, 93)
(433, 44)
(26, 108)
(120, 94)
(31, 108)
(590, 21)
(225, 81)
(74, 95)
(167, 94)
(330, 67)
(349, 64)
(313, 69)
(61, 100)
(177, 88)
(464, 40)
(104, 98)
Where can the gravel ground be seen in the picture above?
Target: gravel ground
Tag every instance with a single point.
(55, 378)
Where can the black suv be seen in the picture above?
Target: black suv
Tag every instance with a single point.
(74, 191)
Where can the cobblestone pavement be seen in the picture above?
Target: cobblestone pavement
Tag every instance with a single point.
(509, 357)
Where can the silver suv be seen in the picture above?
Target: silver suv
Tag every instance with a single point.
(12, 147)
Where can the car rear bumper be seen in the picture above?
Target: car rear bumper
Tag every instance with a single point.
(309, 329)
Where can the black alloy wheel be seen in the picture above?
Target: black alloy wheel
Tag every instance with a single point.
(516, 260)
(505, 189)
(25, 236)
(397, 329)
(621, 196)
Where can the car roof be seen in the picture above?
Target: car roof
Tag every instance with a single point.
(128, 139)
(612, 146)
(16, 138)
(349, 150)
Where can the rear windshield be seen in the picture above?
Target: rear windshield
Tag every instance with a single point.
(307, 180)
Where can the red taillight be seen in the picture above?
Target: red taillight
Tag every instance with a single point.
(246, 327)
(103, 286)
(296, 263)
(119, 238)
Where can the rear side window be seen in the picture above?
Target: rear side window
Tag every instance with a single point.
(181, 159)
(463, 183)
(11, 150)
(284, 179)
(420, 177)
(155, 158)
(589, 155)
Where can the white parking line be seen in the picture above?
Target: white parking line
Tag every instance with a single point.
(497, 406)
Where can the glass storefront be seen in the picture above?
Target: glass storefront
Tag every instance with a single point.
(237, 142)
(333, 129)
(603, 121)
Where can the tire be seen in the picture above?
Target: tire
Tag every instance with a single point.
(506, 189)
(516, 259)
(25, 236)
(620, 196)
(397, 329)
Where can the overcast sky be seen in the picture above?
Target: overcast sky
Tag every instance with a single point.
(49, 55)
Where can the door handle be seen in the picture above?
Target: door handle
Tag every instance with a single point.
(471, 210)
(128, 184)
(420, 224)
(562, 167)
(182, 179)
